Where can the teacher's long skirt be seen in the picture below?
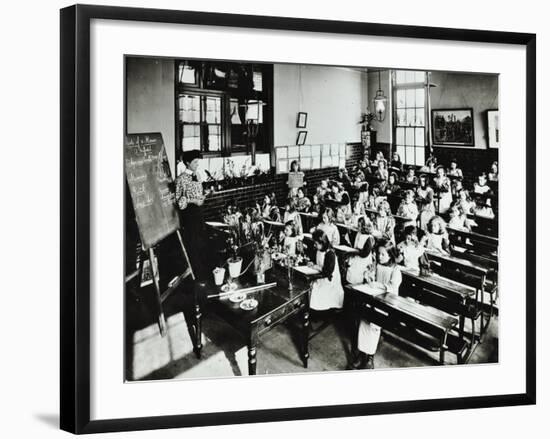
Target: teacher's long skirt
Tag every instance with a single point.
(195, 239)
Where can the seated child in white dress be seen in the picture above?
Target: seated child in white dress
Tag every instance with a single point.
(327, 225)
(359, 265)
(408, 208)
(436, 238)
(326, 289)
(410, 250)
(387, 276)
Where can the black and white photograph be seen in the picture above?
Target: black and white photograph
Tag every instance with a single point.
(370, 244)
(453, 127)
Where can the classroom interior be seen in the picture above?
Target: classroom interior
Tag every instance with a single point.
(284, 144)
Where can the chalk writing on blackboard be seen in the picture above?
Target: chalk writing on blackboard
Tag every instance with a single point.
(151, 187)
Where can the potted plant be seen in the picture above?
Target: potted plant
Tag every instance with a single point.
(366, 119)
(234, 262)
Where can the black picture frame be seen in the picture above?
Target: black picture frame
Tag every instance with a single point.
(301, 120)
(301, 138)
(75, 217)
(459, 131)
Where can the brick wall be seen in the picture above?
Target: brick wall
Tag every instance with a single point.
(249, 195)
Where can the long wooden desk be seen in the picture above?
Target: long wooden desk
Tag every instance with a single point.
(405, 318)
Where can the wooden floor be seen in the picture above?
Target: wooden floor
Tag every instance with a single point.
(150, 356)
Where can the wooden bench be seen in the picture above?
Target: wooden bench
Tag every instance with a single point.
(444, 294)
(471, 274)
(480, 244)
(420, 325)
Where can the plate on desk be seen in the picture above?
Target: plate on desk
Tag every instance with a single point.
(249, 304)
(237, 297)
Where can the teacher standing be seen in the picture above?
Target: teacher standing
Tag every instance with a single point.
(190, 198)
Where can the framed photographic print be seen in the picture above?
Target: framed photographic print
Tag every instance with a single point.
(453, 127)
(179, 305)
(493, 128)
(301, 120)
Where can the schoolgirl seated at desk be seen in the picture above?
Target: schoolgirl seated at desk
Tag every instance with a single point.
(410, 250)
(292, 214)
(339, 197)
(362, 200)
(425, 197)
(464, 202)
(454, 170)
(442, 186)
(390, 187)
(408, 208)
(316, 205)
(303, 203)
(328, 227)
(436, 238)
(459, 220)
(481, 186)
(360, 264)
(411, 177)
(326, 290)
(382, 170)
(289, 239)
(386, 277)
(384, 223)
(268, 204)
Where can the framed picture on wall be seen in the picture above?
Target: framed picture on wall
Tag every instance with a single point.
(301, 139)
(301, 120)
(110, 341)
(453, 127)
(493, 128)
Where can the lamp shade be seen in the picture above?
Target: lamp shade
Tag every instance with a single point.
(380, 104)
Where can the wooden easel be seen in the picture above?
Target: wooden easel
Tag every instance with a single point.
(150, 186)
(161, 296)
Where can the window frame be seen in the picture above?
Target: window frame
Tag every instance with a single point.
(226, 150)
(408, 86)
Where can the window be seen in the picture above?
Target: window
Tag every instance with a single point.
(200, 120)
(223, 108)
(409, 97)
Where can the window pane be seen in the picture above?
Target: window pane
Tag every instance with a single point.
(186, 74)
(402, 117)
(401, 151)
(400, 76)
(420, 76)
(400, 98)
(420, 117)
(419, 137)
(257, 80)
(409, 153)
(410, 117)
(411, 93)
(400, 136)
(213, 110)
(409, 136)
(409, 76)
(420, 156)
(420, 96)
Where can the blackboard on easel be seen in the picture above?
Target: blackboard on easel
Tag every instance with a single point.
(152, 192)
(151, 187)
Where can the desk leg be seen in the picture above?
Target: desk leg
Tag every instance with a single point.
(198, 329)
(251, 360)
(305, 337)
